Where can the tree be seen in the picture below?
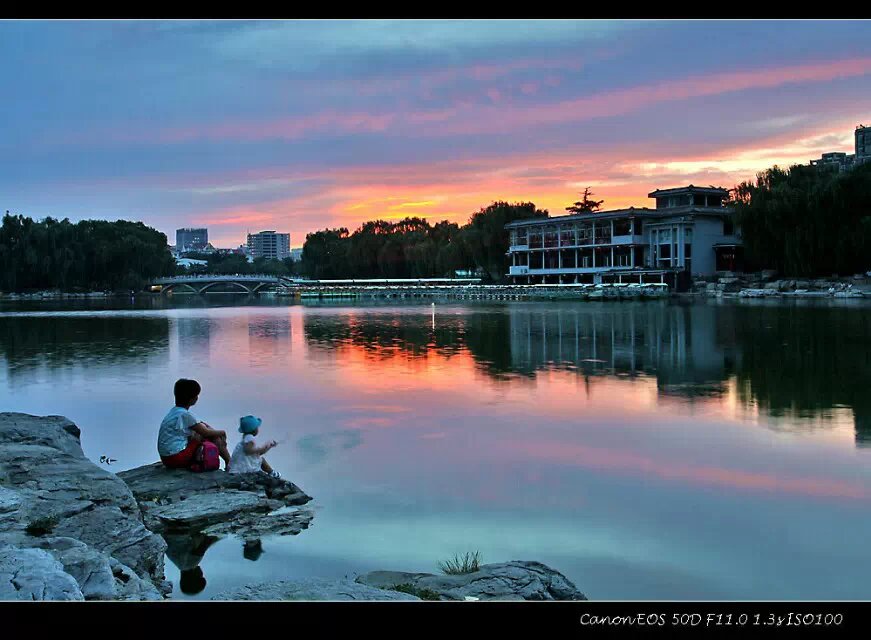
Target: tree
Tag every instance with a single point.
(486, 238)
(90, 254)
(586, 204)
(806, 222)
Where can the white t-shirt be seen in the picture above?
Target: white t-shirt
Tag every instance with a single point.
(241, 462)
(175, 431)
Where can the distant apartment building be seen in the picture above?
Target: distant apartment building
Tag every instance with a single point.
(191, 240)
(269, 244)
(842, 161)
(296, 254)
(863, 144)
(690, 231)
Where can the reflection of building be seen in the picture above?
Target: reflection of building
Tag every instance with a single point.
(679, 345)
(191, 240)
(194, 337)
(269, 244)
(690, 230)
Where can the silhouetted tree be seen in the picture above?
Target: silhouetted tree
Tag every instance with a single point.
(586, 204)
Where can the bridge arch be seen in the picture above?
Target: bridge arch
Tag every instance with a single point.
(229, 282)
(174, 285)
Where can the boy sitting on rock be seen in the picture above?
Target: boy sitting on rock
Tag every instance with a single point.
(181, 433)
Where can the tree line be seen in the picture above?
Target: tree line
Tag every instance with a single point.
(806, 220)
(414, 248)
(90, 255)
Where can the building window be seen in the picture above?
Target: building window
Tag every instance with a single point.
(550, 238)
(535, 260)
(535, 239)
(728, 227)
(567, 237)
(521, 236)
(622, 227)
(622, 258)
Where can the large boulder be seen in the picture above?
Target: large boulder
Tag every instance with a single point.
(34, 574)
(312, 589)
(515, 580)
(217, 502)
(55, 501)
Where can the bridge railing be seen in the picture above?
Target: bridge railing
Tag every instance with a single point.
(216, 277)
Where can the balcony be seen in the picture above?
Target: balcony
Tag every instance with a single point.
(627, 239)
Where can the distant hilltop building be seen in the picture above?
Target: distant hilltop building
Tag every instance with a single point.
(191, 240)
(842, 161)
(690, 232)
(269, 244)
(296, 254)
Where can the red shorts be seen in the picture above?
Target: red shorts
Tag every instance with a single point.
(182, 459)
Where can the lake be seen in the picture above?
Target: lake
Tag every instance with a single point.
(647, 450)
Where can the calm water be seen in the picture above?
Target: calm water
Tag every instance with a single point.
(653, 450)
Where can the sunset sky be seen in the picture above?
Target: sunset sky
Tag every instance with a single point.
(301, 125)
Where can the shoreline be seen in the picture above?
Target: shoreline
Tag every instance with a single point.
(71, 530)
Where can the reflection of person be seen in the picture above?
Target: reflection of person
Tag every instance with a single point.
(181, 433)
(247, 456)
(252, 550)
(186, 551)
(192, 581)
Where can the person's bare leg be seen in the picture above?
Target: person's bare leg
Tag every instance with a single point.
(265, 466)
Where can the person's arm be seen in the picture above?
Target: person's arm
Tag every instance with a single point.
(204, 430)
(253, 450)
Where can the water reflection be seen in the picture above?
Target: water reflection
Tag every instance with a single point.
(787, 361)
(33, 342)
(622, 443)
(186, 551)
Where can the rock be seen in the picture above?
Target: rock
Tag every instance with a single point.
(515, 580)
(174, 500)
(34, 574)
(312, 589)
(99, 576)
(253, 526)
(56, 501)
(773, 286)
(768, 274)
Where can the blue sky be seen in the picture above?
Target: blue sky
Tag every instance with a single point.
(300, 125)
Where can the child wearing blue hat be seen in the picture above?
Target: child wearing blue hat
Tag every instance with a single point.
(247, 456)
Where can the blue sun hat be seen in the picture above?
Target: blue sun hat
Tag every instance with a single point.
(249, 424)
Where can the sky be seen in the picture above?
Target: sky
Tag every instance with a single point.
(302, 125)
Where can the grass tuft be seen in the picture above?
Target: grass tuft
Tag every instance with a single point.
(468, 562)
(42, 526)
(423, 594)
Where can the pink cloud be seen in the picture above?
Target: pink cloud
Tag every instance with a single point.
(637, 464)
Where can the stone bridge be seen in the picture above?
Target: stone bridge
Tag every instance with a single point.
(201, 283)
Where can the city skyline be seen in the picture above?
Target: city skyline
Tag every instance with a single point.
(302, 125)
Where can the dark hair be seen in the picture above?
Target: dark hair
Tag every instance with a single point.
(185, 390)
(192, 581)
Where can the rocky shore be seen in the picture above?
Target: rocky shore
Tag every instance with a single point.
(71, 530)
(765, 284)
